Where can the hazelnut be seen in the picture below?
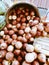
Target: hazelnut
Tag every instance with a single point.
(42, 58)
(25, 63)
(35, 63)
(19, 38)
(5, 62)
(13, 42)
(15, 62)
(29, 57)
(40, 27)
(10, 48)
(28, 18)
(37, 47)
(32, 13)
(1, 33)
(17, 52)
(28, 36)
(14, 17)
(26, 13)
(18, 19)
(9, 26)
(29, 48)
(11, 32)
(3, 45)
(2, 53)
(18, 45)
(33, 31)
(10, 17)
(9, 56)
(19, 58)
(24, 39)
(9, 40)
(44, 33)
(31, 39)
(23, 20)
(21, 32)
(14, 22)
(14, 36)
(27, 29)
(18, 25)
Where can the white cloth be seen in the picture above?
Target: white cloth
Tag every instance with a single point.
(47, 14)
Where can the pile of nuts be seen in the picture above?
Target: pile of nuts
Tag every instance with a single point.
(17, 37)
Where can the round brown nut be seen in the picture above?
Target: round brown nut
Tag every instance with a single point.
(25, 63)
(9, 56)
(23, 20)
(28, 18)
(17, 52)
(28, 36)
(15, 62)
(26, 14)
(19, 58)
(32, 13)
(14, 36)
(27, 29)
(9, 40)
(35, 63)
(29, 57)
(5, 62)
(14, 22)
(3, 45)
(18, 45)
(29, 48)
(14, 17)
(19, 38)
(40, 27)
(42, 58)
(6, 37)
(10, 48)
(21, 32)
(2, 53)
(24, 39)
(38, 33)
(11, 32)
(13, 42)
(18, 25)
(9, 26)
(18, 19)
